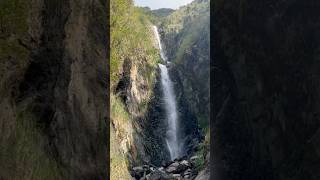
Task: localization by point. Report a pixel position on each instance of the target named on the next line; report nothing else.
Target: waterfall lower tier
(171, 113)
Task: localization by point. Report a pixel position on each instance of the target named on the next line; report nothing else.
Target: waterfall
(171, 112)
(170, 105)
(162, 54)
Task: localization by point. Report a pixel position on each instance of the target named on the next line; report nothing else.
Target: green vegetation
(202, 152)
(118, 110)
(120, 129)
(163, 12)
(118, 166)
(131, 41)
(178, 20)
(156, 16)
(187, 25)
(131, 37)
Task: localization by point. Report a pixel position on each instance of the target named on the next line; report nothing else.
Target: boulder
(177, 176)
(161, 169)
(137, 172)
(159, 175)
(152, 169)
(173, 168)
(185, 163)
(186, 176)
(177, 168)
(187, 172)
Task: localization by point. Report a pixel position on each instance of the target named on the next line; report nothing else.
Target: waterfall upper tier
(162, 54)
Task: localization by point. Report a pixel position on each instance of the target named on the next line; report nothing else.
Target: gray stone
(185, 163)
(161, 169)
(187, 172)
(203, 175)
(138, 172)
(176, 168)
(158, 175)
(172, 168)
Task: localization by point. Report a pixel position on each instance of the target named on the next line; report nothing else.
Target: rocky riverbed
(179, 169)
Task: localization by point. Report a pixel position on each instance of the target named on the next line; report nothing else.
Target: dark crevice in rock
(47, 65)
(124, 82)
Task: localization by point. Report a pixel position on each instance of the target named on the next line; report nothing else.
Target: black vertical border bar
(107, 118)
(211, 91)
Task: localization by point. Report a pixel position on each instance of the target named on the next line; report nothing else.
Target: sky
(157, 4)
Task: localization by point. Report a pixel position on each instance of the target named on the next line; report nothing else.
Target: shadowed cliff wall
(265, 103)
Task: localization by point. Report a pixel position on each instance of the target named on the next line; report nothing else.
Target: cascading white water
(162, 54)
(170, 105)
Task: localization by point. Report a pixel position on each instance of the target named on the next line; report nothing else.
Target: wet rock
(137, 172)
(185, 163)
(161, 169)
(147, 169)
(177, 176)
(177, 167)
(159, 175)
(187, 172)
(152, 169)
(172, 168)
(139, 168)
(166, 163)
(180, 158)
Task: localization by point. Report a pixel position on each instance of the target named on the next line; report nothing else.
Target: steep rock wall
(59, 91)
(266, 90)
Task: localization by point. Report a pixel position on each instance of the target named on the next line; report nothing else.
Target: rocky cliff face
(54, 69)
(266, 90)
(140, 95)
